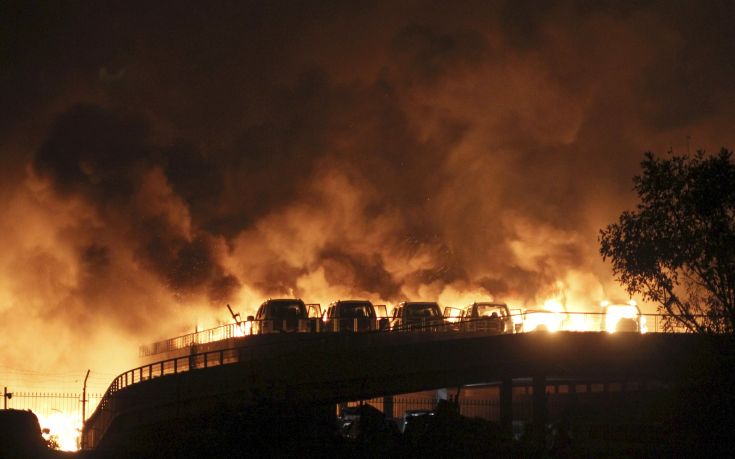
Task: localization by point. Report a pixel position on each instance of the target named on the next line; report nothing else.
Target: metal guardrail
(220, 333)
(103, 414)
(553, 321)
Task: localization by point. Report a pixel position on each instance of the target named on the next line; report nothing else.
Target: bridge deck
(331, 368)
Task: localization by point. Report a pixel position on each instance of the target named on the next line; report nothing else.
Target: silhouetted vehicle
(622, 317)
(487, 317)
(348, 421)
(417, 315)
(369, 426)
(413, 418)
(281, 315)
(350, 315)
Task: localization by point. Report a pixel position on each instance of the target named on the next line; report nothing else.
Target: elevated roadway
(324, 368)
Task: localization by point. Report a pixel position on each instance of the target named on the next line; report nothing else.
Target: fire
(548, 319)
(578, 322)
(626, 317)
(453, 315)
(553, 305)
(63, 428)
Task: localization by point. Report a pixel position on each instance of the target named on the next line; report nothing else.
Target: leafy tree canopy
(677, 248)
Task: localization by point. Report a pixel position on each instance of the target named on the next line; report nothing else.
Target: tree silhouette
(677, 248)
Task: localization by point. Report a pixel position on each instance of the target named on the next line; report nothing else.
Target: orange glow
(549, 318)
(615, 314)
(542, 320)
(578, 322)
(64, 429)
(453, 315)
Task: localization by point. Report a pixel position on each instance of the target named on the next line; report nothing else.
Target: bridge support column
(388, 406)
(540, 410)
(506, 406)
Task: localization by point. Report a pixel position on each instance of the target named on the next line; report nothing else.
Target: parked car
(415, 420)
(284, 315)
(367, 423)
(487, 317)
(417, 315)
(350, 315)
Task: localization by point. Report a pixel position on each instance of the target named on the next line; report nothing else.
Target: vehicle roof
(284, 300)
(353, 301)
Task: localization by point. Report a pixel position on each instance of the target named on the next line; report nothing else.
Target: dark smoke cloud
(159, 160)
(94, 152)
(106, 157)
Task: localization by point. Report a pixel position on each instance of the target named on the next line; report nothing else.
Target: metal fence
(220, 333)
(60, 413)
(516, 323)
(44, 404)
(485, 408)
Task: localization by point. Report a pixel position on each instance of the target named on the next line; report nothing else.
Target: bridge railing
(524, 322)
(353, 324)
(233, 330)
(102, 417)
(192, 339)
(599, 322)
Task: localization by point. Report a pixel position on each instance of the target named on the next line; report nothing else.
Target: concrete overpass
(324, 368)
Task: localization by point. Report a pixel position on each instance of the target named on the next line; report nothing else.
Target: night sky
(159, 161)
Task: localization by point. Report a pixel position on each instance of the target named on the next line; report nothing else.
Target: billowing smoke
(160, 162)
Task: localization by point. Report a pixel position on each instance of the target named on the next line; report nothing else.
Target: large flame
(64, 429)
(615, 314)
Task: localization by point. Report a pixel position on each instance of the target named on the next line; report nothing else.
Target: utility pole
(84, 406)
(6, 396)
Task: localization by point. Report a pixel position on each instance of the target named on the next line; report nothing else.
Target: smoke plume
(160, 161)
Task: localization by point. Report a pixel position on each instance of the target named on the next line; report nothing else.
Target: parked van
(350, 315)
(283, 315)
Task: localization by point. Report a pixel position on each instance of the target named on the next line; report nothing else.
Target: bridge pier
(388, 406)
(540, 410)
(506, 406)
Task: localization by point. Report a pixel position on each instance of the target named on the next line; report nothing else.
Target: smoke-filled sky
(160, 161)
